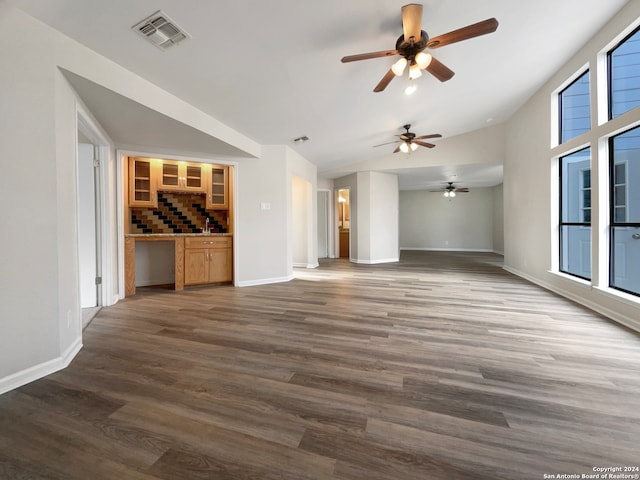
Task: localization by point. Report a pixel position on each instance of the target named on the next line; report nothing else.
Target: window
(608, 217)
(624, 225)
(575, 115)
(575, 214)
(624, 75)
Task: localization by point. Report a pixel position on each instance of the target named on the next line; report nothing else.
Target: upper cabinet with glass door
(217, 187)
(142, 183)
(181, 177)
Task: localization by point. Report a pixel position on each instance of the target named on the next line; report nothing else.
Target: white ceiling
(271, 69)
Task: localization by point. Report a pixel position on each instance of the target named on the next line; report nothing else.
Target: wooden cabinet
(208, 259)
(181, 176)
(217, 187)
(142, 183)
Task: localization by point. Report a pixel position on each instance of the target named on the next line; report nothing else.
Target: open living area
(249, 252)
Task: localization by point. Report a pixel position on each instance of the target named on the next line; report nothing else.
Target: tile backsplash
(177, 213)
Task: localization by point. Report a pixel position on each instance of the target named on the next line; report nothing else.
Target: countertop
(144, 235)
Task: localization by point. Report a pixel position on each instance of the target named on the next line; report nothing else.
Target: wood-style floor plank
(441, 366)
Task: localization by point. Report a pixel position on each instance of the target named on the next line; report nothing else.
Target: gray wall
(430, 221)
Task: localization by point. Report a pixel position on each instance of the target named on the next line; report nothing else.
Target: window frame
(612, 206)
(561, 222)
(609, 72)
(586, 71)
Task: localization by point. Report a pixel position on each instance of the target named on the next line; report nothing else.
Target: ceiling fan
(409, 142)
(450, 191)
(414, 40)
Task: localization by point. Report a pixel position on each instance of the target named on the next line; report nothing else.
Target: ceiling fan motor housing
(409, 50)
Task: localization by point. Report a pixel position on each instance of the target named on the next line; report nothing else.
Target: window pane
(624, 63)
(575, 115)
(625, 271)
(619, 175)
(575, 251)
(626, 189)
(573, 169)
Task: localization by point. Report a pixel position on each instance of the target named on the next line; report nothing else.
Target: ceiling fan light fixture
(423, 60)
(446, 193)
(404, 147)
(414, 71)
(399, 66)
(413, 146)
(452, 193)
(410, 89)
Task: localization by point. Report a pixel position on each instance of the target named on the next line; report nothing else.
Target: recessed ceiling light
(302, 139)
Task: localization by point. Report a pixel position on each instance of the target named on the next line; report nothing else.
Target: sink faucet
(206, 224)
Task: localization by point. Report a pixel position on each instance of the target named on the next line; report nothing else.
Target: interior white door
(87, 227)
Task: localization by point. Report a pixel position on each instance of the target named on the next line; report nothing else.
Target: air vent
(160, 30)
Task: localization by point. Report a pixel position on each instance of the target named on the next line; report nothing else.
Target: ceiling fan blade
(388, 143)
(397, 149)
(424, 144)
(411, 22)
(465, 33)
(462, 190)
(366, 56)
(433, 135)
(385, 81)
(439, 70)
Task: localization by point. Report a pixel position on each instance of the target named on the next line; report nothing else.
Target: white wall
(39, 305)
(301, 219)
(530, 183)
(498, 219)
(430, 221)
(383, 217)
(262, 236)
(306, 173)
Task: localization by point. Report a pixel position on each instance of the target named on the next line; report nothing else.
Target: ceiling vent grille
(161, 31)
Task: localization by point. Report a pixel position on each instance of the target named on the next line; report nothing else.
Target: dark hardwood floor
(442, 366)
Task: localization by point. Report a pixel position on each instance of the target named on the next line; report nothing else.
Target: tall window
(575, 114)
(575, 214)
(624, 168)
(624, 75)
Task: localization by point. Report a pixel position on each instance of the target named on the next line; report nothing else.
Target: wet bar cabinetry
(147, 177)
(208, 260)
(142, 183)
(181, 177)
(218, 187)
(198, 259)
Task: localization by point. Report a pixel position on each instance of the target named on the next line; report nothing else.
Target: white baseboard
(481, 250)
(39, 371)
(306, 265)
(374, 262)
(628, 322)
(264, 281)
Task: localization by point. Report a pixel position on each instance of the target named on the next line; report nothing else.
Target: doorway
(89, 198)
(344, 223)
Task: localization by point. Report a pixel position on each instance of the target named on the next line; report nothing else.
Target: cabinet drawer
(207, 242)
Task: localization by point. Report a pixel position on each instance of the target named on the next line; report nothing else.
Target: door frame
(86, 124)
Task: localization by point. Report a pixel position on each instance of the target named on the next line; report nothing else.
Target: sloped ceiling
(271, 70)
